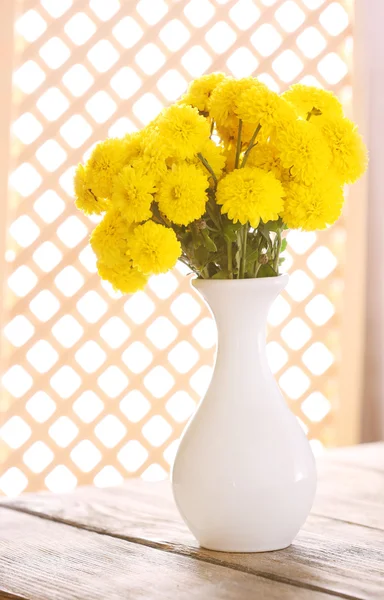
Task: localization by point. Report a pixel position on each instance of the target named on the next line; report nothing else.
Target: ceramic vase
(244, 476)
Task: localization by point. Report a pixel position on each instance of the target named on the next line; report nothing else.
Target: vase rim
(254, 282)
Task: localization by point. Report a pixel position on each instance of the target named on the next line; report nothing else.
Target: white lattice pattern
(97, 386)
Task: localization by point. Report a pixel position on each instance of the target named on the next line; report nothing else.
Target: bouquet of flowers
(216, 179)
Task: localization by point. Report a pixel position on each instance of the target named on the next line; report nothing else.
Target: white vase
(244, 476)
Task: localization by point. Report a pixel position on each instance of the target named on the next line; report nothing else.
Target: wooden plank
(351, 494)
(365, 456)
(340, 557)
(42, 560)
(350, 488)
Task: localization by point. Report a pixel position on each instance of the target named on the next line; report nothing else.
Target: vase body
(244, 476)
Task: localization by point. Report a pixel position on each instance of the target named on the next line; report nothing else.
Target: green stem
(229, 255)
(238, 146)
(211, 212)
(208, 167)
(158, 217)
(277, 252)
(257, 244)
(250, 145)
(244, 251)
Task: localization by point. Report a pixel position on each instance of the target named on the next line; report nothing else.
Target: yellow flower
(313, 207)
(258, 105)
(349, 154)
(154, 248)
(200, 90)
(151, 163)
(250, 194)
(223, 103)
(86, 200)
(132, 145)
(266, 157)
(183, 131)
(214, 156)
(132, 194)
(302, 150)
(126, 278)
(151, 152)
(305, 98)
(109, 239)
(106, 160)
(182, 194)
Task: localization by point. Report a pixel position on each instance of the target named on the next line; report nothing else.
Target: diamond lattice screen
(98, 387)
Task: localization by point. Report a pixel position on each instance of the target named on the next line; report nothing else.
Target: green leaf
(252, 256)
(230, 236)
(274, 225)
(284, 245)
(202, 254)
(266, 271)
(265, 234)
(208, 242)
(230, 232)
(220, 275)
(196, 237)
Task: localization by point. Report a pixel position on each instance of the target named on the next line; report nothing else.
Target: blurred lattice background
(98, 387)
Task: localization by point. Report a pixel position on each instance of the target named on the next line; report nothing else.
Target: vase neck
(240, 309)
(241, 305)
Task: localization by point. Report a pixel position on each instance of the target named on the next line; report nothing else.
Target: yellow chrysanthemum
(109, 239)
(151, 163)
(313, 207)
(213, 154)
(182, 194)
(105, 162)
(348, 151)
(302, 150)
(258, 105)
(200, 90)
(86, 201)
(183, 131)
(266, 157)
(132, 146)
(154, 248)
(132, 194)
(250, 194)
(305, 98)
(223, 104)
(126, 278)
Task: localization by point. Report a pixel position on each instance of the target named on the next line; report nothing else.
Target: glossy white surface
(244, 476)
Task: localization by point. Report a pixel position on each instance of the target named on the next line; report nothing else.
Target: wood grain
(331, 554)
(42, 560)
(366, 456)
(351, 494)
(339, 550)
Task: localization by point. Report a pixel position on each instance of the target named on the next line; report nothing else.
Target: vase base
(246, 549)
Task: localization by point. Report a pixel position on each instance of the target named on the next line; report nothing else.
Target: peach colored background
(98, 387)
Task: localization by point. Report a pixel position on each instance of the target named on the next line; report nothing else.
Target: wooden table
(129, 542)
